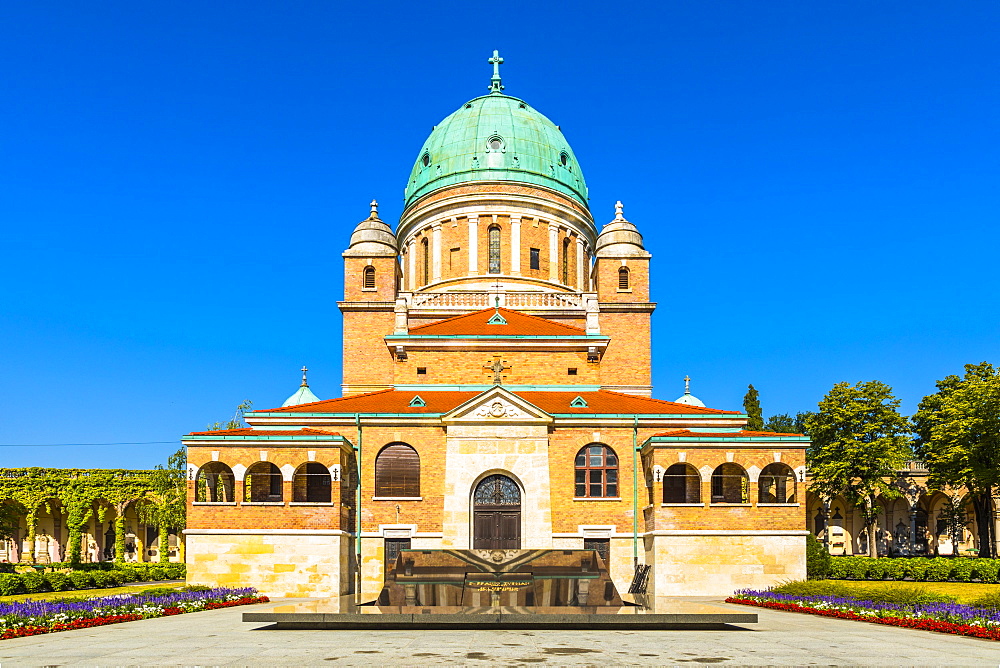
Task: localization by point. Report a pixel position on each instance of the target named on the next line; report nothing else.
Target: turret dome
(372, 237)
(303, 395)
(687, 397)
(620, 237)
(496, 137)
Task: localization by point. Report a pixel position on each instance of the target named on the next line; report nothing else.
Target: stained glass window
(497, 490)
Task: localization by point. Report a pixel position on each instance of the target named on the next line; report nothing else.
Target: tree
(235, 422)
(958, 437)
(751, 406)
(166, 507)
(859, 442)
(783, 423)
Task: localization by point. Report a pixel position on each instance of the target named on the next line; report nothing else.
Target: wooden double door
(496, 523)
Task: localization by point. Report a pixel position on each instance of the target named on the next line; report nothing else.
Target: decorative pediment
(497, 405)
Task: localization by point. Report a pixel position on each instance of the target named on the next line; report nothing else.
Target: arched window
(565, 261)
(494, 248)
(311, 483)
(596, 472)
(369, 278)
(425, 248)
(681, 484)
(214, 484)
(397, 471)
(262, 483)
(623, 283)
(730, 484)
(776, 484)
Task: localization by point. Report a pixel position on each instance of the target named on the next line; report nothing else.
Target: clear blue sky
(817, 182)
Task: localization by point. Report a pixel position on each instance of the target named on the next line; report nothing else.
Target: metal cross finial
(687, 384)
(495, 61)
(497, 368)
(374, 213)
(619, 210)
(304, 383)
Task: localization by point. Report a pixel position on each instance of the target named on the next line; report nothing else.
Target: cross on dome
(304, 383)
(374, 213)
(619, 211)
(496, 61)
(687, 384)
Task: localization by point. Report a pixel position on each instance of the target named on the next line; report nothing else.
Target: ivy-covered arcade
(91, 515)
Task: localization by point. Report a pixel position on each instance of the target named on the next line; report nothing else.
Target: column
(411, 264)
(553, 253)
(473, 245)
(579, 265)
(515, 245)
(436, 252)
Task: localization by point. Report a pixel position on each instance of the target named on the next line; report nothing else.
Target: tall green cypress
(751, 406)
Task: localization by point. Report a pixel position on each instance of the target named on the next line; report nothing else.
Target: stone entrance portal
(496, 514)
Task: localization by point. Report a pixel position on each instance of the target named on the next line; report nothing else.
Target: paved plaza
(219, 638)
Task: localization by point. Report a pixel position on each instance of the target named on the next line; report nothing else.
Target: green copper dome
(496, 138)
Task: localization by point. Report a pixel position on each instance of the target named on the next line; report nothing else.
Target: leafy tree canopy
(235, 422)
(783, 423)
(958, 430)
(751, 406)
(860, 441)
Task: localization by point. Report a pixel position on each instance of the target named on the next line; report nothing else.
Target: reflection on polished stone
(344, 612)
(499, 578)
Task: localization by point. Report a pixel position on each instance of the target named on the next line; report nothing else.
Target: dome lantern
(496, 137)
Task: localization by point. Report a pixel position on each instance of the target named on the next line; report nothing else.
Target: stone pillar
(436, 253)
(913, 529)
(473, 245)
(515, 245)
(402, 269)
(411, 265)
(553, 253)
(579, 265)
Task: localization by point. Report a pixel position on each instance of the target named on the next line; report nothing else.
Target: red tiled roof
(398, 401)
(248, 431)
(722, 434)
(606, 401)
(383, 401)
(518, 324)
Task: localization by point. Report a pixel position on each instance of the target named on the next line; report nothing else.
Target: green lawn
(77, 593)
(964, 592)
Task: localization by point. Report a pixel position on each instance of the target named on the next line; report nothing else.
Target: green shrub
(877, 569)
(104, 579)
(6, 567)
(159, 591)
(939, 569)
(817, 558)
(59, 581)
(11, 584)
(902, 595)
(128, 574)
(196, 588)
(991, 600)
(986, 570)
(175, 571)
(81, 579)
(962, 569)
(814, 588)
(838, 568)
(35, 583)
(895, 569)
(156, 574)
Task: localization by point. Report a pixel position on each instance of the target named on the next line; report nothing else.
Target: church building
(497, 396)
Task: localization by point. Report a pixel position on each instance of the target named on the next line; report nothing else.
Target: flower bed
(954, 618)
(28, 618)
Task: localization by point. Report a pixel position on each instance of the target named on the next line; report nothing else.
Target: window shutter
(623, 278)
(369, 282)
(397, 471)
